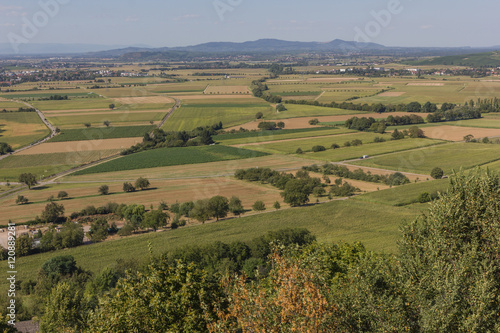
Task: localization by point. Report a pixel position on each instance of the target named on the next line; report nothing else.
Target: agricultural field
(290, 146)
(116, 118)
(172, 156)
(335, 119)
(20, 129)
(457, 133)
(101, 133)
(449, 157)
(44, 165)
(199, 170)
(207, 111)
(372, 149)
(226, 90)
(84, 146)
(277, 135)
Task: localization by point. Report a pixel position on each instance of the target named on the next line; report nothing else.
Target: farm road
(44, 120)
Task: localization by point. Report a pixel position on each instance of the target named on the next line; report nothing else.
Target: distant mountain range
(251, 47)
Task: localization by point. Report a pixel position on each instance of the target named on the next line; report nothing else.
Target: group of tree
(443, 278)
(372, 125)
(261, 90)
(296, 188)
(412, 132)
(271, 125)
(459, 113)
(159, 139)
(341, 171)
(5, 148)
(140, 183)
(55, 98)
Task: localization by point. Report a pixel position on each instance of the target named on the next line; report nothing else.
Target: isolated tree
(52, 212)
(468, 138)
(21, 200)
(277, 205)
(62, 195)
(128, 187)
(259, 115)
(218, 206)
(28, 178)
(259, 205)
(112, 106)
(142, 183)
(235, 206)
(299, 151)
(87, 125)
(437, 173)
(104, 189)
(5, 148)
(106, 123)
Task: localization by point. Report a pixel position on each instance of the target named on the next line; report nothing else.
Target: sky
(159, 23)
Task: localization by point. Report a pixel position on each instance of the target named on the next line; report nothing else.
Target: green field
(44, 94)
(405, 194)
(74, 104)
(448, 157)
(306, 144)
(80, 134)
(349, 221)
(264, 136)
(172, 156)
(189, 116)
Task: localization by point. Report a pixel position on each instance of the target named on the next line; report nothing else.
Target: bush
(259, 115)
(314, 121)
(62, 195)
(334, 146)
(378, 139)
(21, 200)
(318, 148)
(126, 230)
(299, 151)
(259, 206)
(424, 197)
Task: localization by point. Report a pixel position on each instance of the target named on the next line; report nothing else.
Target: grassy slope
(352, 220)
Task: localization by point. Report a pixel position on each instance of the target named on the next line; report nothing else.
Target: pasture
(226, 90)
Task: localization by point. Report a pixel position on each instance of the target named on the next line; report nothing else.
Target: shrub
(259, 206)
(437, 173)
(62, 195)
(104, 189)
(299, 151)
(318, 148)
(334, 146)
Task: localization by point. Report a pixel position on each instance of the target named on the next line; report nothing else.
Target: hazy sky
(188, 22)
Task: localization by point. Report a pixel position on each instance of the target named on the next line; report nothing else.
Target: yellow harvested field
(226, 90)
(76, 146)
(144, 100)
(457, 133)
(303, 122)
(332, 79)
(392, 94)
(426, 84)
(64, 113)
